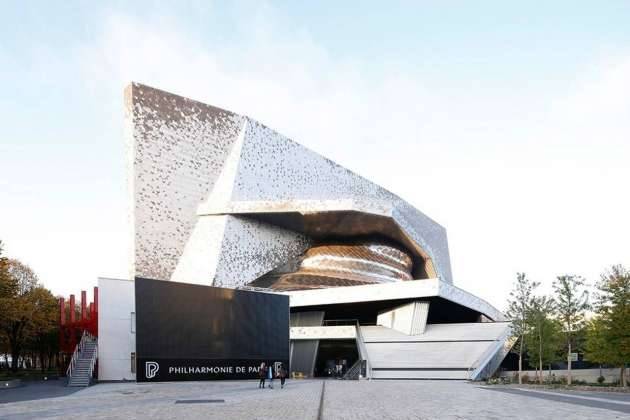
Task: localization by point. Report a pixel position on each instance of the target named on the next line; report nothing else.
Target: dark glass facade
(193, 332)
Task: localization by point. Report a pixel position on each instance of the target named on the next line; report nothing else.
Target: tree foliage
(608, 336)
(28, 309)
(7, 284)
(543, 335)
(571, 302)
(518, 312)
(597, 348)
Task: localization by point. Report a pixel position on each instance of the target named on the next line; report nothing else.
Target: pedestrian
(270, 374)
(262, 374)
(282, 374)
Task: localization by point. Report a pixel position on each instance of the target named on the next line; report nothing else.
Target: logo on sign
(151, 369)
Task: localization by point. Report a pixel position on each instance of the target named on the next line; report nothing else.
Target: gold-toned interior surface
(335, 265)
(340, 226)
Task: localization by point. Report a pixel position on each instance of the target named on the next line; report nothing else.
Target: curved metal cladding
(344, 265)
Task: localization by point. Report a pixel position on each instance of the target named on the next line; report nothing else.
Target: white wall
(410, 318)
(116, 341)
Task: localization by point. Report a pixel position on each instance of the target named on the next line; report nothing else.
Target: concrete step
(444, 351)
(81, 373)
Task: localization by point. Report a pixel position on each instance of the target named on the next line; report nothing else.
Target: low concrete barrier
(588, 375)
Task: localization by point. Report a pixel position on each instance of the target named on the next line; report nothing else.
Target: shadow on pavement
(37, 390)
(607, 402)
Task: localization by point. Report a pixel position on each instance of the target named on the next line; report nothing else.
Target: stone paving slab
(243, 400)
(395, 399)
(447, 400)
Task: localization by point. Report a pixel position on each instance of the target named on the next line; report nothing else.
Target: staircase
(81, 366)
(354, 372)
(465, 351)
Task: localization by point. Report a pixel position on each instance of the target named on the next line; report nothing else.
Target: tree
(518, 312)
(597, 348)
(7, 291)
(7, 283)
(40, 319)
(542, 333)
(608, 336)
(21, 301)
(42, 327)
(28, 312)
(571, 301)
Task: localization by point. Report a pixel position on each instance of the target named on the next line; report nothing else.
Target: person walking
(282, 374)
(270, 375)
(262, 374)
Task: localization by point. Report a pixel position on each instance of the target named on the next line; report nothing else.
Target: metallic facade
(220, 199)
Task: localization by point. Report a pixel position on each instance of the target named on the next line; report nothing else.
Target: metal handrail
(93, 361)
(354, 371)
(78, 349)
(359, 338)
(334, 322)
(482, 361)
(363, 349)
(72, 361)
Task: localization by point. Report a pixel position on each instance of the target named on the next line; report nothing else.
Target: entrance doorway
(335, 357)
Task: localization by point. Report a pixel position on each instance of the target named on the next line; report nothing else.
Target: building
(219, 200)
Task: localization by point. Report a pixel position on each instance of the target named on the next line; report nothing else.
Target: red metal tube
(83, 305)
(72, 309)
(95, 300)
(62, 311)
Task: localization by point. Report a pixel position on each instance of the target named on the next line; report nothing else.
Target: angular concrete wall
(410, 319)
(444, 351)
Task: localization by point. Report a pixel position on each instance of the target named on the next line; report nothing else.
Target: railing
(78, 350)
(350, 321)
(476, 370)
(338, 322)
(359, 339)
(354, 371)
(93, 361)
(363, 352)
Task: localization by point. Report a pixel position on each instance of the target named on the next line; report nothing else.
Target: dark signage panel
(192, 332)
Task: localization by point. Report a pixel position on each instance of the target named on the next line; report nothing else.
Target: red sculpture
(71, 330)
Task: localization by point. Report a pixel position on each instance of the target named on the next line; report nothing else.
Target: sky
(509, 124)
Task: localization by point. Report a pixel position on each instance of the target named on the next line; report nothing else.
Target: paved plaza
(309, 399)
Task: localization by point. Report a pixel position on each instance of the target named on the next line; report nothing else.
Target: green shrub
(601, 380)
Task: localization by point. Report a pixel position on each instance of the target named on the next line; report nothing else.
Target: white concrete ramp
(444, 351)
